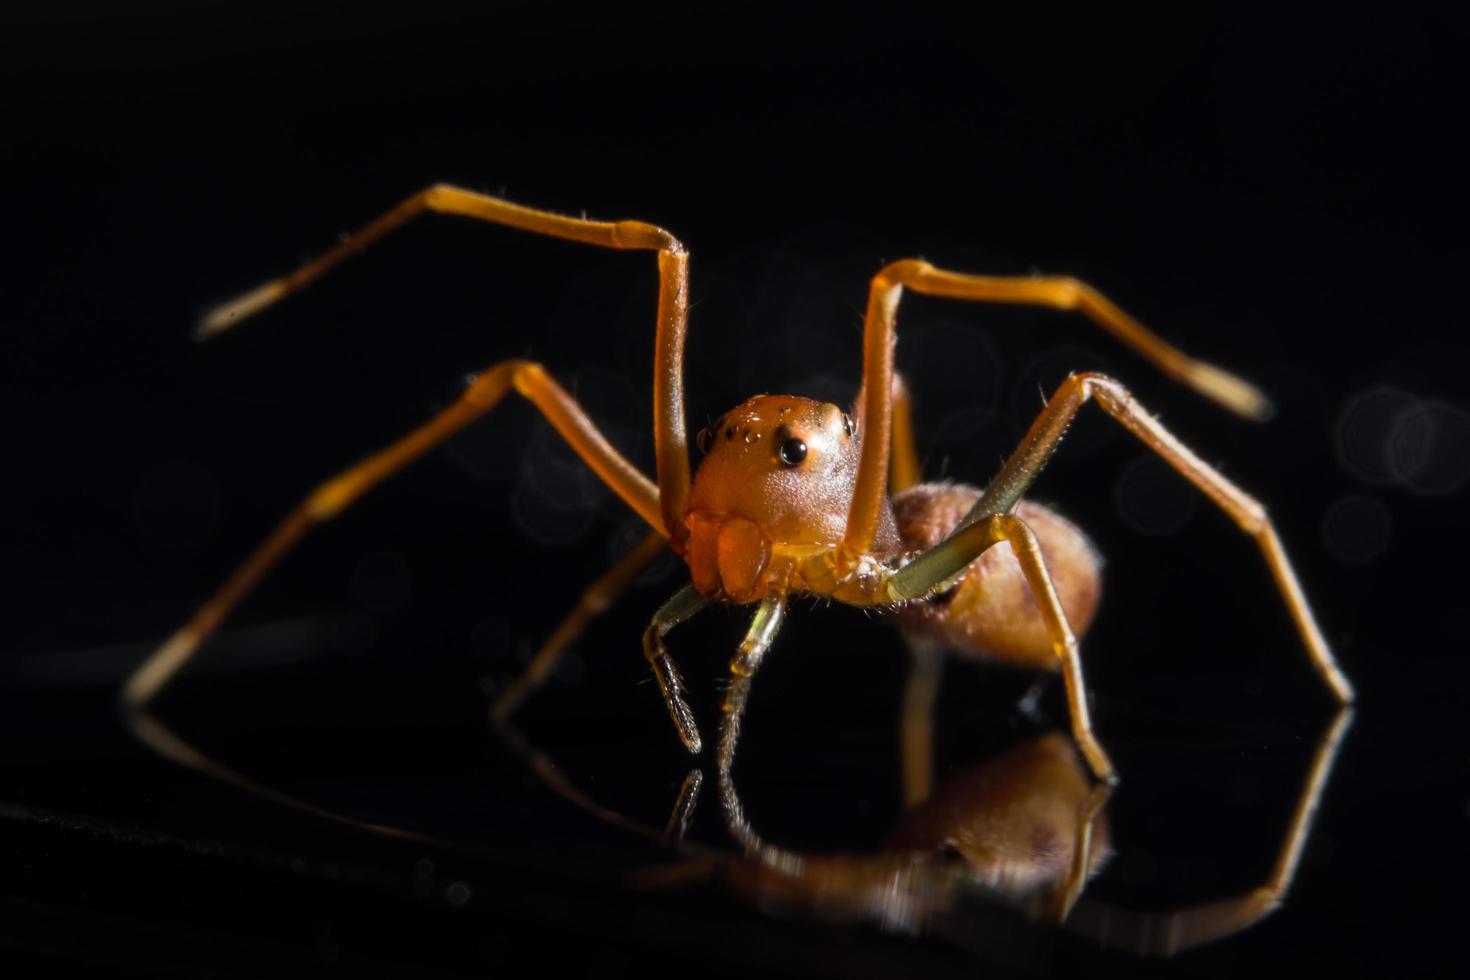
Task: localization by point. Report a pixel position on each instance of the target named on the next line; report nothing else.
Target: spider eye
(792, 452)
(702, 440)
(847, 427)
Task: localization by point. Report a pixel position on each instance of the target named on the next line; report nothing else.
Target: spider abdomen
(992, 612)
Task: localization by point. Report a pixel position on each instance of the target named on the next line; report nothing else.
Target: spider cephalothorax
(771, 493)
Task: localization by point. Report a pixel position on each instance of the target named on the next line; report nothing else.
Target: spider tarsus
(231, 312)
(1236, 394)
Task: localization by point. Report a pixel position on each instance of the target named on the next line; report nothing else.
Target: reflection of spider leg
(332, 497)
(683, 604)
(939, 564)
(1081, 866)
(916, 726)
(542, 766)
(758, 638)
(683, 812)
(1026, 462)
(1060, 293)
(164, 741)
(600, 595)
(1173, 932)
(670, 442)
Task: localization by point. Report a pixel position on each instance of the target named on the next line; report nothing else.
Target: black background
(1282, 196)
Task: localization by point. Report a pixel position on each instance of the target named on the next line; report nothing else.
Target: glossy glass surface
(1280, 202)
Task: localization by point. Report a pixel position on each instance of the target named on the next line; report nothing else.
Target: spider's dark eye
(847, 427)
(792, 451)
(702, 440)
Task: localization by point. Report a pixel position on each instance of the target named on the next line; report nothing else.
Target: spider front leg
(758, 638)
(335, 495)
(684, 603)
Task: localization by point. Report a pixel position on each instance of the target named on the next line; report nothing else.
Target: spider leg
(332, 497)
(939, 564)
(989, 521)
(1060, 293)
(1245, 510)
(916, 725)
(684, 603)
(758, 638)
(670, 440)
(1081, 868)
(600, 595)
(904, 469)
(1168, 933)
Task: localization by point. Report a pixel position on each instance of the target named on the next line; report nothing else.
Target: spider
(797, 496)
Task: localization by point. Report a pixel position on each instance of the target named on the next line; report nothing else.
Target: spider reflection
(1018, 833)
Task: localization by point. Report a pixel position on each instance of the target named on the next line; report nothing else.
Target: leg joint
(487, 387)
(595, 602)
(1096, 379)
(1253, 517)
(640, 234)
(434, 195)
(652, 643)
(1068, 293)
(901, 273)
(653, 638)
(1011, 528)
(1105, 388)
(332, 497)
(525, 375)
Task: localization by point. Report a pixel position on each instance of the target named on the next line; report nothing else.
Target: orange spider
(792, 495)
